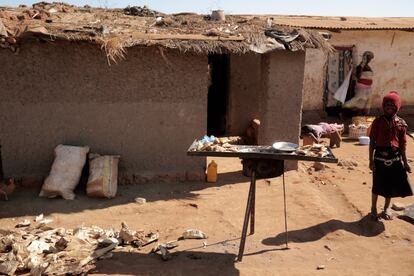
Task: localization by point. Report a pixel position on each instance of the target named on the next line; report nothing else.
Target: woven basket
(363, 120)
(356, 132)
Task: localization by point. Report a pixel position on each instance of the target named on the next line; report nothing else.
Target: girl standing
(387, 156)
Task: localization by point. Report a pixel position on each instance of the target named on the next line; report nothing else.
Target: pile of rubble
(6, 41)
(43, 250)
(53, 7)
(141, 11)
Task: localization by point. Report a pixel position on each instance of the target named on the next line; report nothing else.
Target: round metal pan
(285, 146)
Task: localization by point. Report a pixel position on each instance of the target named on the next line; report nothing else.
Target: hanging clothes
(337, 77)
(363, 87)
(340, 94)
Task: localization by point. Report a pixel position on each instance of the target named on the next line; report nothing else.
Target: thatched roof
(116, 29)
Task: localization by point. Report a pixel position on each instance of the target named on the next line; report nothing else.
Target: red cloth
(393, 97)
(389, 132)
(365, 81)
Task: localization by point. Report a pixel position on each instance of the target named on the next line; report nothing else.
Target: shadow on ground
(346, 139)
(26, 202)
(181, 263)
(407, 219)
(363, 227)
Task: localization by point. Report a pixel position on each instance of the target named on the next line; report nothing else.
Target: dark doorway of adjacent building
(339, 64)
(218, 94)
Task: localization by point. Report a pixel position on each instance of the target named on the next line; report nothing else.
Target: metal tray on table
(261, 152)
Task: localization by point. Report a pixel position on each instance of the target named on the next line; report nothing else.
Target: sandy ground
(326, 219)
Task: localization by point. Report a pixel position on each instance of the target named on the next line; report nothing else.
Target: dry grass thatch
(114, 49)
(115, 30)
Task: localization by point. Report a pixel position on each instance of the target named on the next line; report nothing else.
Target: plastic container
(212, 172)
(364, 140)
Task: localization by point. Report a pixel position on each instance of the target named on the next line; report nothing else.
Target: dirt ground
(327, 223)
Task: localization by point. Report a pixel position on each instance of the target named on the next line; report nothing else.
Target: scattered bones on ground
(44, 250)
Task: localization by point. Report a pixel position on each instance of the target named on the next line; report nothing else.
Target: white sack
(66, 172)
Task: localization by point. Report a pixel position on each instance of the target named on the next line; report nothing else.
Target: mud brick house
(143, 86)
(390, 39)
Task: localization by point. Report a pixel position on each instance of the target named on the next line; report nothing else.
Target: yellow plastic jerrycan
(212, 172)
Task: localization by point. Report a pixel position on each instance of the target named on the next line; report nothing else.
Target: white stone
(38, 218)
(140, 200)
(194, 234)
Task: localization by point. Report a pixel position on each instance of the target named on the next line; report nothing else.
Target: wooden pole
(284, 203)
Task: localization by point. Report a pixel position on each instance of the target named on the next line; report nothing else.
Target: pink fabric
(324, 128)
(329, 128)
(318, 130)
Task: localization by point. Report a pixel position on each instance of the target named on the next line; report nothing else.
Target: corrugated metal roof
(344, 23)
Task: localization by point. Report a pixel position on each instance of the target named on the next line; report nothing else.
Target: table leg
(247, 216)
(284, 203)
(253, 203)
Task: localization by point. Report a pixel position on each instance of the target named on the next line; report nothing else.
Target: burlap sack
(103, 176)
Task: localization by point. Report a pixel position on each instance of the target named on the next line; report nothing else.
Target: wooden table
(259, 153)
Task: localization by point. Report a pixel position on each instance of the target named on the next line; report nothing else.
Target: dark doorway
(218, 94)
(340, 63)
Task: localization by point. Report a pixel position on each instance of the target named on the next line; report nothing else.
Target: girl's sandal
(386, 215)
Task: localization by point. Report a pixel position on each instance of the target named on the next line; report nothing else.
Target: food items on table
(222, 144)
(215, 147)
(234, 140)
(315, 150)
(213, 144)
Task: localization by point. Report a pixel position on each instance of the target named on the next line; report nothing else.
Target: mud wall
(393, 65)
(282, 103)
(146, 109)
(247, 83)
(314, 80)
(267, 87)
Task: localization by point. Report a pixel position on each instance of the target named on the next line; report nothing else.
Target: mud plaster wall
(282, 103)
(314, 80)
(245, 91)
(267, 87)
(143, 109)
(393, 65)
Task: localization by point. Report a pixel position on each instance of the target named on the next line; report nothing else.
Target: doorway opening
(218, 94)
(340, 64)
